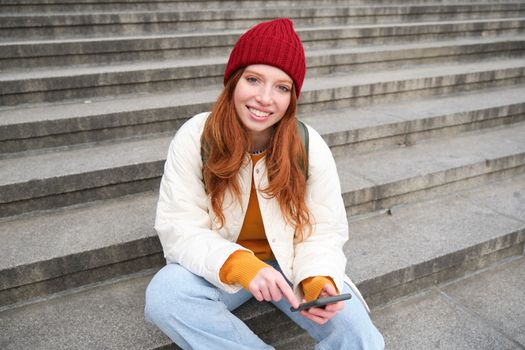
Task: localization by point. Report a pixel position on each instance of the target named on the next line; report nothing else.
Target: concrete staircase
(422, 103)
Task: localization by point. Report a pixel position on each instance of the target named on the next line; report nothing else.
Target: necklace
(258, 152)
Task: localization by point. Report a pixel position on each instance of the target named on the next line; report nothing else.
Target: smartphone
(321, 302)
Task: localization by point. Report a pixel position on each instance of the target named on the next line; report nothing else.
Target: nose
(264, 96)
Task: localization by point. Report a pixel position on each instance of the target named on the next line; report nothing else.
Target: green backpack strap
(204, 156)
(305, 139)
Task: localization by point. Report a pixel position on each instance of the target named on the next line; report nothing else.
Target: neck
(261, 140)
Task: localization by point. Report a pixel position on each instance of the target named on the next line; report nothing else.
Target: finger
(330, 289)
(335, 307)
(266, 293)
(287, 291)
(314, 318)
(320, 312)
(325, 317)
(257, 294)
(275, 292)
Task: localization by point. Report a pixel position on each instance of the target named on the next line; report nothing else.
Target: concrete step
(102, 119)
(430, 242)
(468, 313)
(53, 25)
(64, 177)
(73, 246)
(345, 58)
(344, 90)
(61, 178)
(109, 48)
(353, 129)
(389, 256)
(92, 82)
(62, 124)
(383, 179)
(50, 252)
(198, 71)
(32, 6)
(405, 122)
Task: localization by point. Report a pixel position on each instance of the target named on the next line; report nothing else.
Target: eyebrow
(261, 75)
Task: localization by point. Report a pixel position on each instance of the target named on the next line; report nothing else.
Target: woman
(239, 217)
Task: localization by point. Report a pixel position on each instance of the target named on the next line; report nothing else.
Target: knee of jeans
(153, 309)
(172, 290)
(165, 291)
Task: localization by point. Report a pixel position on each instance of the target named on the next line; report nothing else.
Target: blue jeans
(197, 315)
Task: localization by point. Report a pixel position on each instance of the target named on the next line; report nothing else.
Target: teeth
(258, 113)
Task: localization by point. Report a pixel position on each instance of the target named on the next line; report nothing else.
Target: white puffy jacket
(188, 228)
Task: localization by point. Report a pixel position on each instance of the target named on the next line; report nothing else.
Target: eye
(284, 88)
(251, 80)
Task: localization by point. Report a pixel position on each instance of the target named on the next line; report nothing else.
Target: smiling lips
(258, 113)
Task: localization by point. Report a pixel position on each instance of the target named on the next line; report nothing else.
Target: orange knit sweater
(242, 266)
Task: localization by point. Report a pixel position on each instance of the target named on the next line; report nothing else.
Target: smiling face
(261, 97)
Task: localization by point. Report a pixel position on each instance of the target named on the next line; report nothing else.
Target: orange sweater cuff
(312, 286)
(241, 267)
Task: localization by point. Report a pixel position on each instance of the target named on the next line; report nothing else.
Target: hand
(322, 315)
(269, 284)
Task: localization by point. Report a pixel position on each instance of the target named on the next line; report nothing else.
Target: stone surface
(57, 6)
(348, 127)
(362, 129)
(73, 231)
(355, 58)
(435, 163)
(506, 197)
(430, 321)
(62, 167)
(455, 77)
(397, 31)
(496, 296)
(482, 311)
(397, 246)
(310, 15)
(54, 54)
(102, 318)
(339, 80)
(104, 113)
(301, 342)
(101, 108)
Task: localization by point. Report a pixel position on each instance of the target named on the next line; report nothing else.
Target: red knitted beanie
(274, 43)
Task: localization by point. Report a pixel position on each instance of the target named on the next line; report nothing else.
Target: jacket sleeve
(183, 222)
(321, 254)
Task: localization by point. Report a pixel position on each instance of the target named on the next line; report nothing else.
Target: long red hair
(226, 141)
